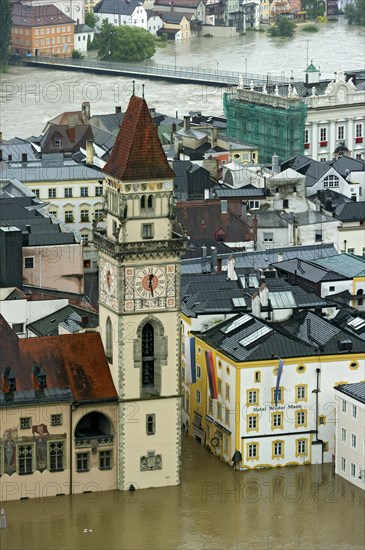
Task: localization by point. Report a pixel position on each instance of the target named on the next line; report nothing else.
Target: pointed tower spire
(137, 153)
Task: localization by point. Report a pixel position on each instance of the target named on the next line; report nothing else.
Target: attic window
(40, 375)
(10, 378)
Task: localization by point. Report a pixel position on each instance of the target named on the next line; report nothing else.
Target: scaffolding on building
(273, 123)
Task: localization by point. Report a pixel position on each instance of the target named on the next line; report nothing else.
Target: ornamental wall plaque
(151, 461)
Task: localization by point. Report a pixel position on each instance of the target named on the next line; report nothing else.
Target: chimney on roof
(85, 111)
(118, 109)
(152, 111)
(275, 165)
(219, 264)
(24, 157)
(173, 127)
(213, 258)
(280, 257)
(186, 123)
(213, 136)
(264, 295)
(89, 153)
(71, 133)
(172, 9)
(244, 210)
(254, 231)
(256, 304)
(231, 272)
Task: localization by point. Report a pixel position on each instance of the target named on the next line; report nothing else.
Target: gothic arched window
(149, 201)
(109, 340)
(148, 359)
(143, 202)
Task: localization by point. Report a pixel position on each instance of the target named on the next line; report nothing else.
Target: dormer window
(40, 375)
(9, 378)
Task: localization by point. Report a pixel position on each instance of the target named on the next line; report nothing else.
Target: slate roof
(137, 153)
(174, 17)
(83, 28)
(309, 271)
(265, 339)
(312, 217)
(16, 150)
(350, 211)
(110, 122)
(121, 7)
(356, 391)
(266, 258)
(312, 169)
(74, 361)
(71, 317)
(346, 264)
(36, 16)
(320, 333)
(48, 169)
(246, 191)
(18, 212)
(178, 3)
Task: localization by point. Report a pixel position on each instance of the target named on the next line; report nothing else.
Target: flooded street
(29, 97)
(215, 508)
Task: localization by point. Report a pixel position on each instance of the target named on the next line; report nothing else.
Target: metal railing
(216, 77)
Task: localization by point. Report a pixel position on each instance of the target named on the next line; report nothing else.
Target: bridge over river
(186, 75)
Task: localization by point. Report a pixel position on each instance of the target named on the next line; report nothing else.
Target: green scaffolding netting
(273, 129)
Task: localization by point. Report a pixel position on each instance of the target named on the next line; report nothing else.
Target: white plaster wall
(344, 449)
(339, 286)
(23, 311)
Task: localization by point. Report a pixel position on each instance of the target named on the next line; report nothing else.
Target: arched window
(331, 181)
(150, 201)
(360, 297)
(109, 340)
(148, 359)
(143, 202)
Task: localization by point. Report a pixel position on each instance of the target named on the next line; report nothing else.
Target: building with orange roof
(41, 31)
(59, 416)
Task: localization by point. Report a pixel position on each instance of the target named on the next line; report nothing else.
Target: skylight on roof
(239, 302)
(282, 299)
(239, 322)
(252, 338)
(356, 323)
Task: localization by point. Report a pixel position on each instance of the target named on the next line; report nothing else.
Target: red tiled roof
(75, 361)
(204, 220)
(137, 153)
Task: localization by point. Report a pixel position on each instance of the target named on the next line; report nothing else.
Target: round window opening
(354, 365)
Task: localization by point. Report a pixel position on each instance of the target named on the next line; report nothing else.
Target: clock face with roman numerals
(150, 282)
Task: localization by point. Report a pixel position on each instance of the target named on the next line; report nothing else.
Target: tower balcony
(169, 246)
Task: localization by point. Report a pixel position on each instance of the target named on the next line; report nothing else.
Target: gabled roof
(178, 3)
(72, 317)
(137, 153)
(356, 391)
(74, 361)
(120, 7)
(346, 264)
(203, 218)
(309, 271)
(38, 16)
(350, 211)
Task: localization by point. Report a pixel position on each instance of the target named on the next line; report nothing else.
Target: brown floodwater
(303, 507)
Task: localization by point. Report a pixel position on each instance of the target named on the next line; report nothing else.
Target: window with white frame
(353, 469)
(84, 215)
(340, 132)
(29, 262)
(354, 411)
(254, 205)
(323, 134)
(301, 392)
(197, 397)
(68, 192)
(343, 435)
(52, 193)
(358, 130)
(252, 450)
(252, 396)
(85, 238)
(301, 418)
(268, 237)
(353, 441)
(198, 372)
(344, 406)
(84, 191)
(306, 136)
(331, 181)
(252, 422)
(301, 446)
(343, 464)
(278, 448)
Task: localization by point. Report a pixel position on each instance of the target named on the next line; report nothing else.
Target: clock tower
(139, 300)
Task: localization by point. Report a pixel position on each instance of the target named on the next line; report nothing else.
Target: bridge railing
(216, 76)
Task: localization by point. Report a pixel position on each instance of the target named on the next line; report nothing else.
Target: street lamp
(109, 54)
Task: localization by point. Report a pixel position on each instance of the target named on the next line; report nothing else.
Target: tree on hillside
(355, 13)
(282, 27)
(91, 19)
(125, 43)
(5, 34)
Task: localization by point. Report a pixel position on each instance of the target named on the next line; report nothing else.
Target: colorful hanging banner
(190, 364)
(211, 375)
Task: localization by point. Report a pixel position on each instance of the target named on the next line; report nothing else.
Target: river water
(299, 508)
(304, 508)
(29, 97)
